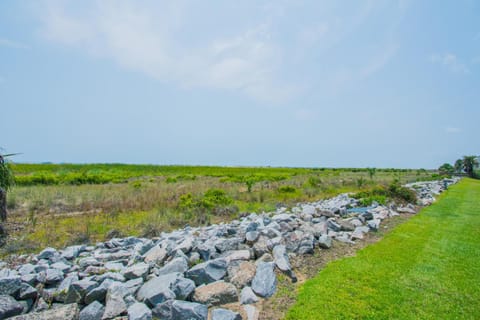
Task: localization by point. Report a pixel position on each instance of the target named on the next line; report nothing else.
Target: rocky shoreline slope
(188, 273)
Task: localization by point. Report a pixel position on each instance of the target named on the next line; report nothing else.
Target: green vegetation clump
(427, 268)
(287, 189)
(394, 191)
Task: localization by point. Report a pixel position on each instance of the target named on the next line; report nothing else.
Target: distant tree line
(468, 165)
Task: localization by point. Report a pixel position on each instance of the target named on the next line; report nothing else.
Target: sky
(250, 83)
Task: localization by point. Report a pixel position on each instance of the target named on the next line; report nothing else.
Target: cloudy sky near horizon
(280, 83)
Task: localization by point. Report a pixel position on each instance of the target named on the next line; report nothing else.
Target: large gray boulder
(208, 272)
(216, 293)
(139, 311)
(158, 289)
(264, 283)
(176, 309)
(283, 262)
(9, 307)
(224, 314)
(53, 276)
(325, 241)
(183, 288)
(94, 311)
(156, 255)
(115, 305)
(241, 274)
(10, 285)
(138, 270)
(78, 289)
(27, 292)
(247, 296)
(179, 264)
(62, 312)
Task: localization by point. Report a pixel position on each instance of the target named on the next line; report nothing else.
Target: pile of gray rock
(427, 191)
(192, 273)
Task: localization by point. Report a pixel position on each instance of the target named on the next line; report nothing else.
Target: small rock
(252, 312)
(325, 241)
(176, 309)
(139, 311)
(94, 311)
(224, 314)
(179, 265)
(47, 253)
(264, 283)
(216, 293)
(139, 270)
(9, 307)
(10, 285)
(282, 262)
(242, 274)
(208, 272)
(247, 296)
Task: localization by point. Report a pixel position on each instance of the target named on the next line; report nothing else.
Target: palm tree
(6, 182)
(458, 166)
(469, 165)
(371, 172)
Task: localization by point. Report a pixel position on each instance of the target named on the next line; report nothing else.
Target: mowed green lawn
(427, 268)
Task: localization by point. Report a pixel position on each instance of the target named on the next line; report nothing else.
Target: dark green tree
(372, 172)
(446, 169)
(6, 182)
(470, 163)
(458, 166)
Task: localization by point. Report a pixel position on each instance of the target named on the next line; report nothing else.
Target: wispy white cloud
(451, 62)
(149, 40)
(12, 44)
(451, 129)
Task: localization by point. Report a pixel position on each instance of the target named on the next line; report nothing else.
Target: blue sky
(280, 83)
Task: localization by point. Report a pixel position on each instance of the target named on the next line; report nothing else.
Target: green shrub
(171, 180)
(287, 189)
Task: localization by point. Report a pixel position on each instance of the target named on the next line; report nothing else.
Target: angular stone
(27, 292)
(10, 285)
(325, 241)
(261, 247)
(158, 289)
(216, 293)
(247, 296)
(94, 311)
(183, 288)
(224, 314)
(62, 290)
(72, 252)
(176, 309)
(208, 272)
(53, 276)
(264, 283)
(346, 225)
(9, 307)
(62, 312)
(179, 265)
(332, 225)
(139, 311)
(61, 266)
(251, 312)
(138, 270)
(78, 289)
(236, 255)
(156, 255)
(99, 293)
(283, 262)
(115, 305)
(47, 253)
(252, 236)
